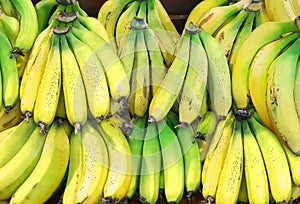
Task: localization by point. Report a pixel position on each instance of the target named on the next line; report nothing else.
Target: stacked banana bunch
(246, 162)
(18, 30)
(116, 15)
(65, 63)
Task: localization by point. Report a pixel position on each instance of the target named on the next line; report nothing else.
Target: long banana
(240, 70)
(168, 92)
(258, 188)
(280, 97)
(96, 87)
(49, 89)
(276, 163)
(49, 171)
(15, 172)
(195, 83)
(150, 175)
(73, 87)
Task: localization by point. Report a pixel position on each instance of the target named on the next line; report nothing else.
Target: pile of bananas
(123, 107)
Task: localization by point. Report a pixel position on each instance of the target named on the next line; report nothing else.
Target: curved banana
(195, 83)
(231, 174)
(73, 87)
(191, 158)
(15, 172)
(173, 163)
(11, 144)
(94, 166)
(9, 72)
(135, 141)
(43, 11)
(276, 163)
(254, 167)
(219, 81)
(113, 68)
(258, 74)
(150, 175)
(168, 92)
(49, 89)
(240, 69)
(280, 97)
(215, 157)
(92, 71)
(49, 170)
(10, 25)
(120, 163)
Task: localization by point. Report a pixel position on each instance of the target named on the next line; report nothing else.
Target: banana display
(123, 108)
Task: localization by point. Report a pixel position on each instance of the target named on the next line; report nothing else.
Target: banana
(254, 167)
(276, 163)
(49, 88)
(73, 87)
(191, 158)
(43, 11)
(15, 172)
(35, 69)
(240, 70)
(96, 87)
(11, 144)
(226, 35)
(10, 25)
(231, 174)
(9, 72)
(217, 16)
(120, 163)
(135, 141)
(115, 74)
(123, 24)
(167, 93)
(75, 168)
(215, 157)
(242, 35)
(28, 25)
(280, 97)
(195, 84)
(156, 60)
(140, 78)
(258, 74)
(201, 9)
(165, 19)
(294, 164)
(150, 175)
(49, 170)
(280, 11)
(95, 166)
(173, 163)
(219, 81)
(168, 39)
(10, 119)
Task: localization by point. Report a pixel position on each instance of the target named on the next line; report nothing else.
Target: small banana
(49, 171)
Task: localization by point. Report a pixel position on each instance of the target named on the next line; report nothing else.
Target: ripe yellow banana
(276, 163)
(240, 70)
(195, 83)
(73, 87)
(258, 74)
(168, 92)
(280, 97)
(49, 170)
(231, 174)
(49, 89)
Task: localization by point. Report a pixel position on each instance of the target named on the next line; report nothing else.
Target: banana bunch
(198, 74)
(273, 90)
(116, 16)
(65, 61)
(282, 10)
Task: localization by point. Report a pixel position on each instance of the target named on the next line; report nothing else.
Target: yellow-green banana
(10, 25)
